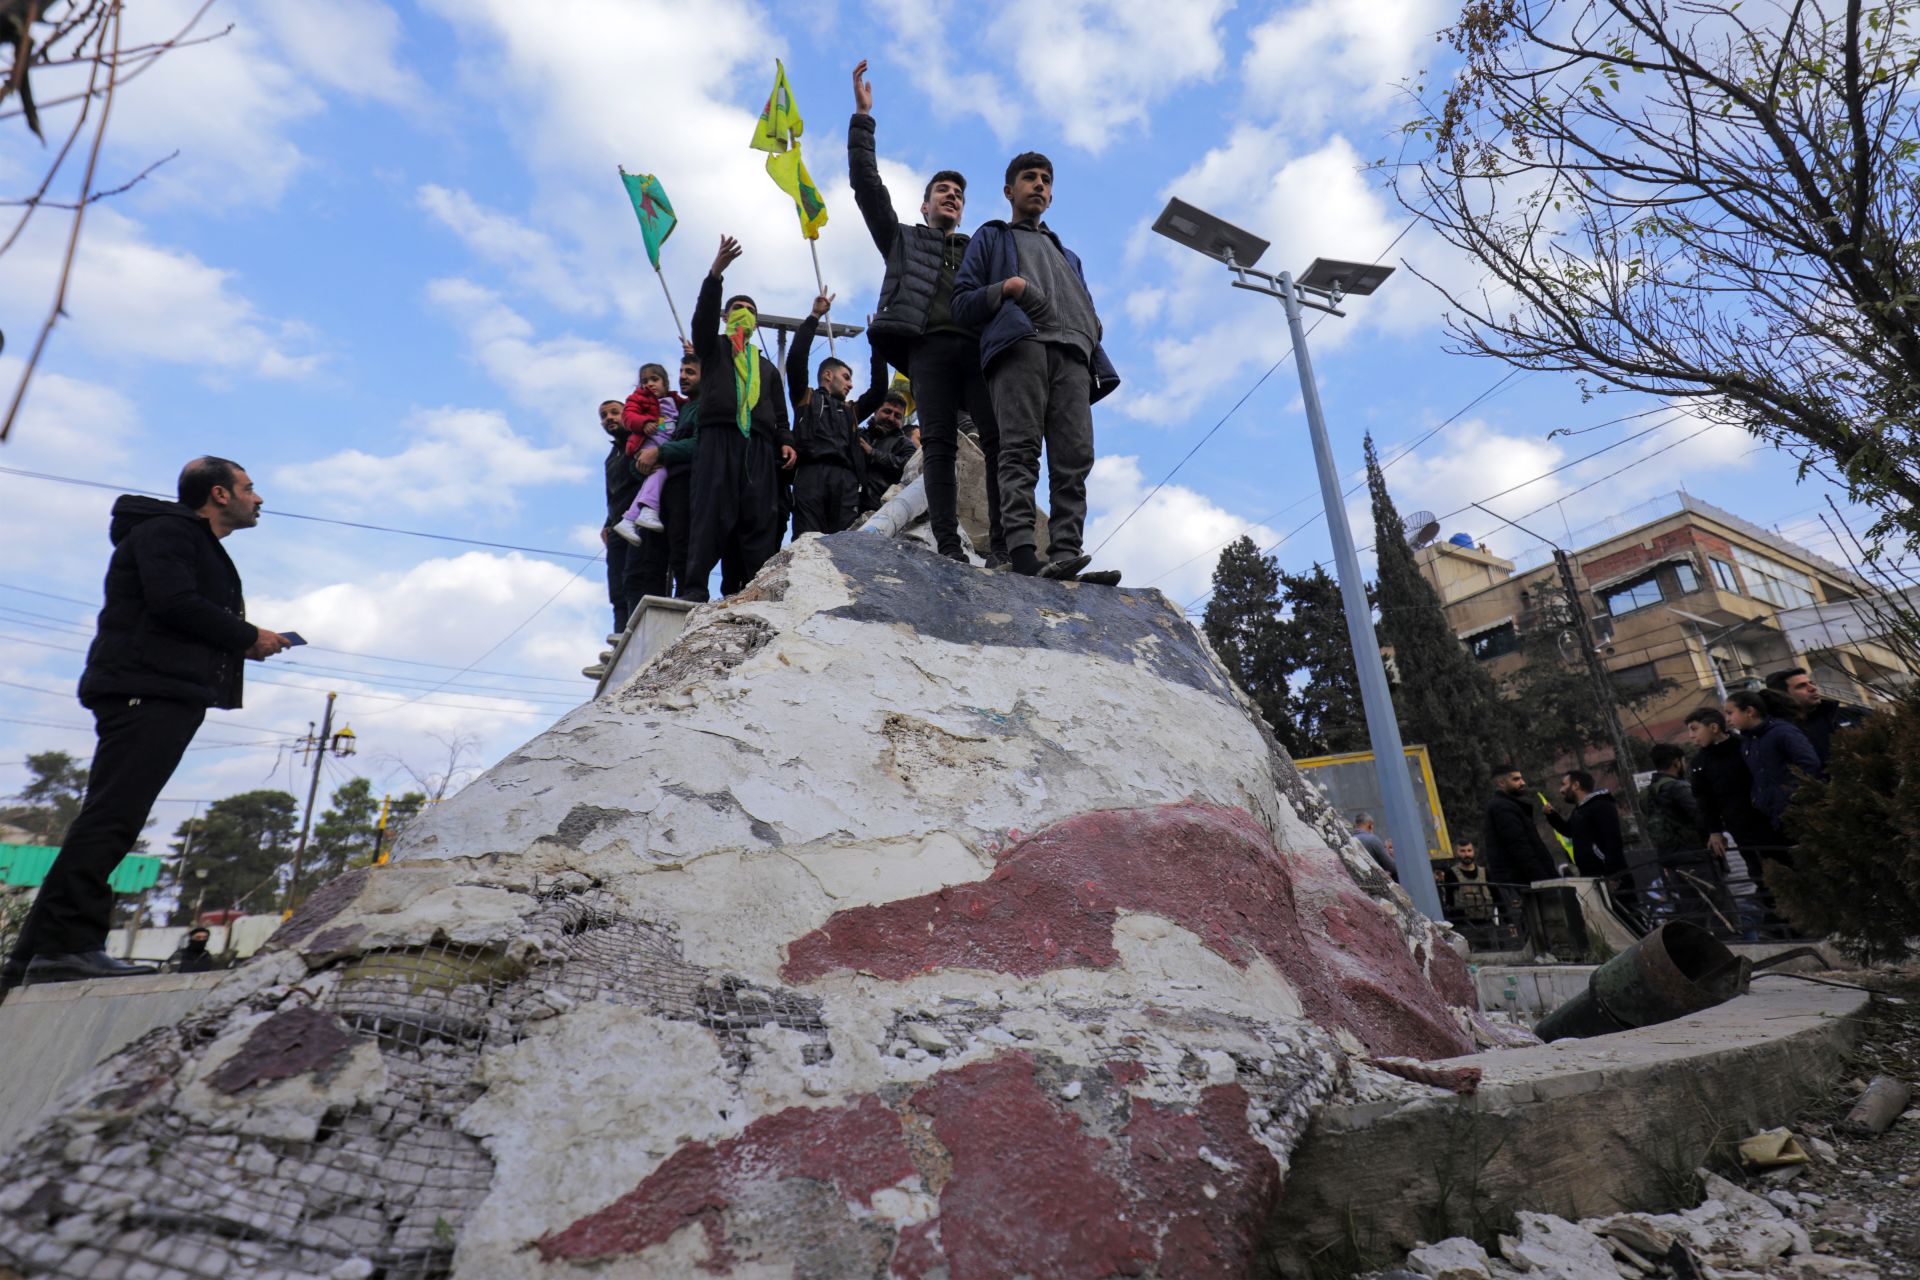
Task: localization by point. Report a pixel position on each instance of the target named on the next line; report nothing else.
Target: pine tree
(1444, 700)
(1318, 655)
(343, 836)
(239, 853)
(1242, 622)
(51, 799)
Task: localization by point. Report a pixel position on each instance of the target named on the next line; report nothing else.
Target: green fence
(26, 865)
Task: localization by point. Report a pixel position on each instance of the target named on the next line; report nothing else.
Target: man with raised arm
(833, 467)
(915, 329)
(744, 440)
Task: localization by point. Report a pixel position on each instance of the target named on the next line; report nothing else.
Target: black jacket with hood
(1515, 852)
(1593, 829)
(175, 623)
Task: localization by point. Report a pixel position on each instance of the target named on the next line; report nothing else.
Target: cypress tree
(1242, 623)
(1443, 699)
(1318, 655)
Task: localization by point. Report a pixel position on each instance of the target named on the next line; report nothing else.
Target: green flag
(651, 207)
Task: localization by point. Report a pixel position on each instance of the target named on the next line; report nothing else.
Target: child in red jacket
(651, 415)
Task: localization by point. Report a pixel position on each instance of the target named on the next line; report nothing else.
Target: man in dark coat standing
(1817, 716)
(1780, 759)
(1592, 828)
(1515, 852)
(167, 646)
(916, 331)
(832, 472)
(739, 500)
(1724, 788)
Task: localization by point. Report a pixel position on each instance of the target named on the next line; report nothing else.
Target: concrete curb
(1579, 1129)
(53, 1034)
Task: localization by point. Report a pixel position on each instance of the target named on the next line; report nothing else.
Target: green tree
(343, 836)
(1318, 655)
(1698, 203)
(1242, 623)
(233, 855)
(51, 799)
(1444, 699)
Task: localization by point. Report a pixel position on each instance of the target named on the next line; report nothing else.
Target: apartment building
(1677, 590)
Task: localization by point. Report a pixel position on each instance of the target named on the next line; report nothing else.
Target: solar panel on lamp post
(1331, 280)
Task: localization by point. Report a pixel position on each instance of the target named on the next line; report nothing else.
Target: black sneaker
(997, 560)
(78, 966)
(1065, 570)
(1102, 577)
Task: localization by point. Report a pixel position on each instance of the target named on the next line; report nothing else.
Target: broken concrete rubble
(892, 896)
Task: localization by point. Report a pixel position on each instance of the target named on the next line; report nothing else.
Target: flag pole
(678, 327)
(813, 246)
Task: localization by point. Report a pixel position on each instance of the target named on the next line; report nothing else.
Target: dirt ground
(1871, 1188)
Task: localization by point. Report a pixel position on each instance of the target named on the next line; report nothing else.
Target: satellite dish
(1421, 528)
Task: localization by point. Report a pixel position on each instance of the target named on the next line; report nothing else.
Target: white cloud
(456, 459)
(1092, 71)
(67, 426)
(1325, 57)
(529, 256)
(350, 46)
(561, 377)
(1173, 542)
(130, 297)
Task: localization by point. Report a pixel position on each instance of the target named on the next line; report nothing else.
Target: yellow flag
(779, 131)
(780, 124)
(790, 174)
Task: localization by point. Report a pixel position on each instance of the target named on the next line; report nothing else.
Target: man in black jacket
(1593, 828)
(915, 329)
(1724, 788)
(832, 471)
(1515, 852)
(1818, 716)
(622, 485)
(738, 496)
(167, 646)
(888, 448)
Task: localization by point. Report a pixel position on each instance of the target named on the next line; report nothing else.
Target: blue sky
(392, 271)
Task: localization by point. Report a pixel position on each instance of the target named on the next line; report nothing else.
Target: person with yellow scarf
(745, 441)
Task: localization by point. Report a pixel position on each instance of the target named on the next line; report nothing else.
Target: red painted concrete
(858, 1148)
(1032, 1184)
(1052, 901)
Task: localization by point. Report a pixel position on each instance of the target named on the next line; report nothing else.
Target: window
(1774, 582)
(1641, 675)
(1685, 575)
(1723, 576)
(1494, 642)
(1637, 594)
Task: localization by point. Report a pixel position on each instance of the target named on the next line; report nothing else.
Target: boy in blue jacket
(1040, 347)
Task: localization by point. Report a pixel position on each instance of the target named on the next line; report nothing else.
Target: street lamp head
(1349, 279)
(1197, 229)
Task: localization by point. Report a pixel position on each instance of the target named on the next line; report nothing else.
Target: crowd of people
(1729, 797)
(996, 331)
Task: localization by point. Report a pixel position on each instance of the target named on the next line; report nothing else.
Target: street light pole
(1239, 250)
(1411, 863)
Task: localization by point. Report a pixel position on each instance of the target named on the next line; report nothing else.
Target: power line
(297, 515)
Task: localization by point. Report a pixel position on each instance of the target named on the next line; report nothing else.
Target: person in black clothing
(167, 646)
(1724, 788)
(915, 329)
(1593, 828)
(193, 956)
(1818, 717)
(1778, 756)
(1515, 852)
(744, 441)
(832, 473)
(1675, 823)
(888, 448)
(622, 484)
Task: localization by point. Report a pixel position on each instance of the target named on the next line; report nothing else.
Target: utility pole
(1602, 688)
(321, 745)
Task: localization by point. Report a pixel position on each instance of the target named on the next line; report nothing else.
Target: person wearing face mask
(193, 956)
(744, 442)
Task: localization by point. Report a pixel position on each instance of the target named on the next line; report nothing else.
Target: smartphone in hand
(293, 638)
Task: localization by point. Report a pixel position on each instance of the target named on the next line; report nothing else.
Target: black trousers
(619, 552)
(140, 743)
(656, 566)
(946, 379)
(739, 509)
(826, 498)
